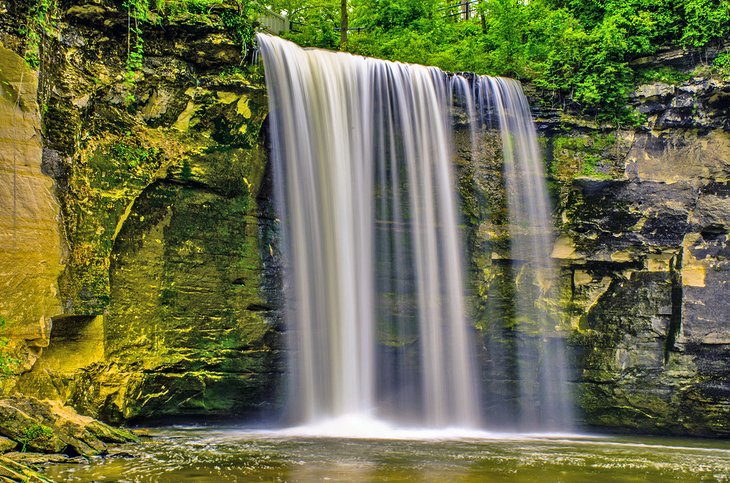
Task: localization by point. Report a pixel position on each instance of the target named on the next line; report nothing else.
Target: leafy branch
(40, 24)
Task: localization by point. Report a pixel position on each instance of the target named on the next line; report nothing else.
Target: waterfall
(362, 153)
(543, 397)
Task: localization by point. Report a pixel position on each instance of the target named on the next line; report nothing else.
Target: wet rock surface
(11, 470)
(49, 427)
(643, 250)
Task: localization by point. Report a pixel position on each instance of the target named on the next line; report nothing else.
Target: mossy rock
(49, 427)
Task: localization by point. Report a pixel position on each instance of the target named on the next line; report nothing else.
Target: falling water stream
(543, 397)
(361, 148)
(363, 151)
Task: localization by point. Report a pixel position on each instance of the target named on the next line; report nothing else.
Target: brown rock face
(30, 241)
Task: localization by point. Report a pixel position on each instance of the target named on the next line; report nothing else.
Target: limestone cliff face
(30, 237)
(162, 307)
(647, 251)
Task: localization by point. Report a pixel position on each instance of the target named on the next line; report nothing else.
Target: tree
(314, 22)
(580, 49)
(344, 17)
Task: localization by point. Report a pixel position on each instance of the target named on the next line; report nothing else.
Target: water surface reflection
(199, 454)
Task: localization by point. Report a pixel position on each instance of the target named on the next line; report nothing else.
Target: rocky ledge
(36, 432)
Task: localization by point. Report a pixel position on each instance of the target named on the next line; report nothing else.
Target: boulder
(14, 471)
(49, 427)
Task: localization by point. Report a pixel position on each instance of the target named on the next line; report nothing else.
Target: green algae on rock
(49, 427)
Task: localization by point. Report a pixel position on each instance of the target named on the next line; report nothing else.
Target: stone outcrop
(49, 427)
(11, 470)
(35, 432)
(29, 220)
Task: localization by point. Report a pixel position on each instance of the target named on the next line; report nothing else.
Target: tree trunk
(343, 25)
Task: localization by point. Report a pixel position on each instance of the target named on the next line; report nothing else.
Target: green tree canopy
(579, 49)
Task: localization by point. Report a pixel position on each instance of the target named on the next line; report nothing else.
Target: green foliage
(174, 8)
(388, 14)
(138, 12)
(6, 362)
(40, 24)
(239, 21)
(34, 432)
(665, 74)
(505, 30)
(314, 22)
(579, 49)
(721, 65)
(707, 20)
(133, 156)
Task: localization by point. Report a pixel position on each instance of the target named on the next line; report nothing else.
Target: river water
(218, 454)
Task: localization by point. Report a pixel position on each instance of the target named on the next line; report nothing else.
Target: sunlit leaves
(580, 49)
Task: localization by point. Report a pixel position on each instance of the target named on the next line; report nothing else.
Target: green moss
(40, 24)
(133, 156)
(7, 362)
(61, 125)
(582, 155)
(33, 434)
(230, 172)
(590, 168)
(102, 185)
(115, 156)
(721, 66)
(199, 249)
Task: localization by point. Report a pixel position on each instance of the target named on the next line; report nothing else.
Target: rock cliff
(151, 181)
(645, 239)
(644, 220)
(140, 251)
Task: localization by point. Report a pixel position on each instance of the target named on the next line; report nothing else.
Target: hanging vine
(239, 22)
(40, 24)
(138, 12)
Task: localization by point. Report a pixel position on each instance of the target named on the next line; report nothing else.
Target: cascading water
(362, 154)
(362, 151)
(543, 397)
